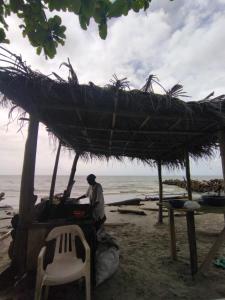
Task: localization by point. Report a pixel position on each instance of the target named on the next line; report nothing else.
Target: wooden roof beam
(84, 131)
(94, 140)
(114, 117)
(134, 134)
(123, 113)
(180, 144)
(63, 140)
(209, 126)
(116, 152)
(94, 146)
(174, 125)
(147, 148)
(153, 132)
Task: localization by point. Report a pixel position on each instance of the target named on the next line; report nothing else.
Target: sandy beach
(146, 270)
(5, 227)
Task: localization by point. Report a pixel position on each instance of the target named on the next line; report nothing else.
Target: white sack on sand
(107, 257)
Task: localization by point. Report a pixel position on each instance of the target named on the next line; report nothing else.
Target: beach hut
(104, 122)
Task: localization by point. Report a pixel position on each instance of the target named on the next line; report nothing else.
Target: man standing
(95, 194)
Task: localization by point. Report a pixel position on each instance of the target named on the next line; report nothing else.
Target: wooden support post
(192, 242)
(222, 153)
(221, 136)
(160, 215)
(172, 235)
(188, 176)
(27, 198)
(71, 179)
(52, 189)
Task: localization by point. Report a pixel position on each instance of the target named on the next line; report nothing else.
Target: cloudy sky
(180, 41)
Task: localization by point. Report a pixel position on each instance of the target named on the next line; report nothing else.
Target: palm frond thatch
(114, 121)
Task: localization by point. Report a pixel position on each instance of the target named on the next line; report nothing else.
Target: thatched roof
(113, 121)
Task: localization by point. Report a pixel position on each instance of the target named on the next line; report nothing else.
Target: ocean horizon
(116, 188)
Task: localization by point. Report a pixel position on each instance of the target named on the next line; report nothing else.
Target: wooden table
(190, 219)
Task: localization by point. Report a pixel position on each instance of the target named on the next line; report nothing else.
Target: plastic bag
(191, 205)
(107, 257)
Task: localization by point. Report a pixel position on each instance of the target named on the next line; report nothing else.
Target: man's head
(91, 179)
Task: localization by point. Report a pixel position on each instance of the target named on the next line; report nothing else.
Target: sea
(115, 188)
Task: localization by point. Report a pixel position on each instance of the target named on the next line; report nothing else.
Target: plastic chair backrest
(65, 240)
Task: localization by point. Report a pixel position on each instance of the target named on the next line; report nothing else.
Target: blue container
(176, 203)
(213, 200)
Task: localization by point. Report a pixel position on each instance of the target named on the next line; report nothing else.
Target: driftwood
(5, 227)
(165, 198)
(6, 235)
(116, 224)
(153, 209)
(4, 207)
(135, 201)
(131, 211)
(6, 218)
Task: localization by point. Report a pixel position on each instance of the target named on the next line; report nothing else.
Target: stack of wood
(213, 185)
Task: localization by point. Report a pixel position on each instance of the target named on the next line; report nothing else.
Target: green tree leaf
(46, 32)
(87, 8)
(103, 31)
(16, 5)
(50, 49)
(83, 22)
(2, 35)
(136, 5)
(118, 8)
(75, 6)
(38, 50)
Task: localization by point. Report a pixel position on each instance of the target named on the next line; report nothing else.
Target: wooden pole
(52, 189)
(27, 198)
(222, 153)
(188, 175)
(221, 136)
(172, 230)
(71, 179)
(160, 215)
(192, 242)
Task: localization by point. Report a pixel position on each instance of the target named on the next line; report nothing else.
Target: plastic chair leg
(46, 292)
(38, 290)
(88, 287)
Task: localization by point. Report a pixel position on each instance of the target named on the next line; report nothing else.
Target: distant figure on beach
(95, 194)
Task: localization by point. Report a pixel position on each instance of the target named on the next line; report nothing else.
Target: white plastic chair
(66, 266)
